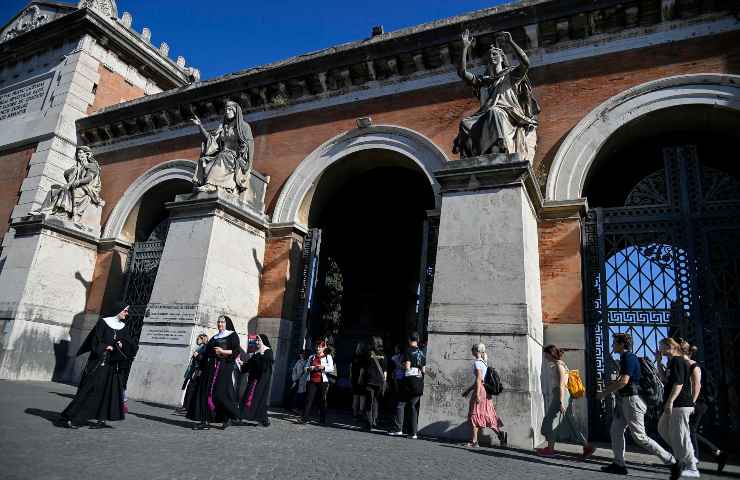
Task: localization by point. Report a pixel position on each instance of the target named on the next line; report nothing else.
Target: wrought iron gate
(141, 272)
(667, 263)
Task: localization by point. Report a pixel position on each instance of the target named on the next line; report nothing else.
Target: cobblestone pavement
(154, 443)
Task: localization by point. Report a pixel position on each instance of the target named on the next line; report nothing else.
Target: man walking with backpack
(630, 408)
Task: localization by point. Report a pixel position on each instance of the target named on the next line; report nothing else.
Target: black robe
(254, 402)
(100, 393)
(214, 398)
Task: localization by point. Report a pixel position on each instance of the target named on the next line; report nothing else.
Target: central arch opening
(370, 207)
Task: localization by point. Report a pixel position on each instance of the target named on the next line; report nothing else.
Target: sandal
(472, 444)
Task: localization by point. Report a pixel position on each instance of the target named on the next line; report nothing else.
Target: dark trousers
(413, 403)
(313, 389)
(371, 404)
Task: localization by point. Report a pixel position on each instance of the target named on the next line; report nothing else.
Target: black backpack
(651, 387)
(707, 394)
(492, 382)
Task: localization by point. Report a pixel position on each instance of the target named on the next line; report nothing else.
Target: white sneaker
(690, 473)
(395, 434)
(413, 437)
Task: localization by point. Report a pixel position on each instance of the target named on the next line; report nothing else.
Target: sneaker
(690, 473)
(721, 461)
(395, 434)
(588, 450)
(503, 438)
(545, 452)
(413, 437)
(615, 469)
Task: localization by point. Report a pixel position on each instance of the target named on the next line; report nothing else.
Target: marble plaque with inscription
(172, 313)
(23, 98)
(168, 334)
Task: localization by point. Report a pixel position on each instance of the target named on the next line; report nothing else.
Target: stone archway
(576, 155)
(299, 189)
(164, 172)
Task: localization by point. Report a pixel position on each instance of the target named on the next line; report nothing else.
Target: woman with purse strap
(374, 379)
(318, 367)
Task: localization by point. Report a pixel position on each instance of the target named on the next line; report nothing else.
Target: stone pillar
(45, 274)
(210, 266)
(486, 289)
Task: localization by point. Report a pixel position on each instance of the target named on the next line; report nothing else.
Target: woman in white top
(481, 412)
(559, 423)
(317, 367)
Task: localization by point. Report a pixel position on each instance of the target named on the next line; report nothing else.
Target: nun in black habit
(215, 399)
(254, 403)
(101, 390)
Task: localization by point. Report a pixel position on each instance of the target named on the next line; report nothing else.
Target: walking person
(630, 408)
(357, 375)
(215, 398)
(674, 423)
(297, 396)
(558, 422)
(375, 377)
(317, 367)
(411, 387)
(701, 394)
(481, 412)
(259, 368)
(100, 395)
(192, 373)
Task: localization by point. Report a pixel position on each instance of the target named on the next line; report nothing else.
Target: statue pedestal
(210, 266)
(486, 290)
(46, 270)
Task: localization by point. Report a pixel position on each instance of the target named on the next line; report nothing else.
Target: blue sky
(222, 36)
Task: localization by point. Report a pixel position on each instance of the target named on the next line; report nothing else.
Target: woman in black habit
(214, 399)
(100, 393)
(259, 367)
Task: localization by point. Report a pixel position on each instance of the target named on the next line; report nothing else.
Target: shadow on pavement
(65, 395)
(52, 417)
(169, 421)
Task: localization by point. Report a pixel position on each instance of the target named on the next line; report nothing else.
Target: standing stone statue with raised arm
(226, 154)
(82, 189)
(506, 121)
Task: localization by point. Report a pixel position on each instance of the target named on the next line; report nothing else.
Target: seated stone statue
(506, 121)
(82, 189)
(226, 154)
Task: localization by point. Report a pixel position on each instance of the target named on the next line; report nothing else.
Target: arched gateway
(661, 240)
(367, 198)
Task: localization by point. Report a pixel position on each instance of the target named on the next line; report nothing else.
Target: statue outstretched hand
(506, 36)
(467, 40)
(196, 120)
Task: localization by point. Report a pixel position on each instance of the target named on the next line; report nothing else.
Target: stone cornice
(208, 204)
(115, 37)
(32, 225)
(566, 209)
(382, 62)
(288, 229)
(490, 172)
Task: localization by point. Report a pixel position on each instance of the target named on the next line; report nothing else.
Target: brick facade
(560, 271)
(111, 89)
(13, 170)
(566, 92)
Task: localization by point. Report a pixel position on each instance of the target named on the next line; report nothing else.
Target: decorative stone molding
(421, 57)
(27, 21)
(412, 145)
(575, 156)
(172, 170)
(194, 205)
(489, 172)
(106, 8)
(557, 210)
